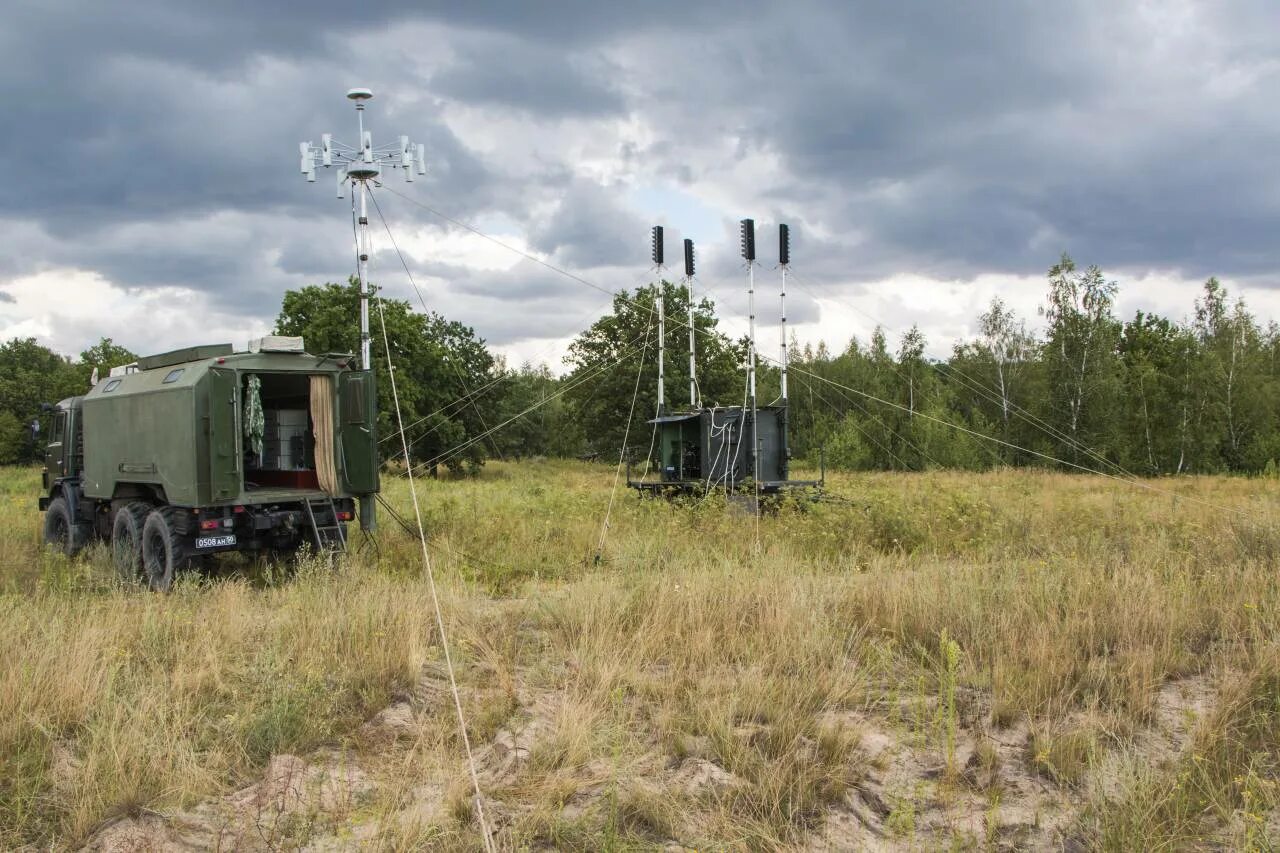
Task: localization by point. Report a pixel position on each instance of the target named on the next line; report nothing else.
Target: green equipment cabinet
(710, 448)
(206, 450)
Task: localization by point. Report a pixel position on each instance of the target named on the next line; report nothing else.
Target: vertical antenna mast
(357, 166)
(749, 255)
(662, 320)
(688, 289)
(784, 261)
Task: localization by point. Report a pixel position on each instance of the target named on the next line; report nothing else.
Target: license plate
(215, 541)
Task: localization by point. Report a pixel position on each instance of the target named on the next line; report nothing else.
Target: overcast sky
(928, 156)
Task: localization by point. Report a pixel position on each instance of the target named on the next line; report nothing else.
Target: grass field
(935, 661)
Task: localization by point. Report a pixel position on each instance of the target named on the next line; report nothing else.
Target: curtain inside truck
(323, 427)
(255, 426)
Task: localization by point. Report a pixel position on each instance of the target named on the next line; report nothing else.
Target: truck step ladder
(329, 536)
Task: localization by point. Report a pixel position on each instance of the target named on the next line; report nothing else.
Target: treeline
(1147, 395)
(32, 375)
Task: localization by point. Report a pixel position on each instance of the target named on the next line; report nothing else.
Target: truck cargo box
(182, 426)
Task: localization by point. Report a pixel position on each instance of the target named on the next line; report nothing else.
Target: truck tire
(60, 531)
(126, 540)
(161, 552)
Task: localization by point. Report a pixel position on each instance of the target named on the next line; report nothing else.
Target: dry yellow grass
(992, 629)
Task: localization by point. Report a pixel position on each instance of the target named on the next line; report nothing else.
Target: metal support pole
(751, 375)
(783, 334)
(751, 332)
(693, 361)
(366, 361)
(784, 450)
(662, 348)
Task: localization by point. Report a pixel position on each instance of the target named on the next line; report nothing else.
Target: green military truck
(206, 450)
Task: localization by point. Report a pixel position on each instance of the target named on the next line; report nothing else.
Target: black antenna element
(688, 257)
(748, 240)
(657, 245)
(784, 245)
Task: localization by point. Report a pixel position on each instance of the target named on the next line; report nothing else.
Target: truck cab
(63, 455)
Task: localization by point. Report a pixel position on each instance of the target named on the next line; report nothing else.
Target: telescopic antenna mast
(688, 289)
(662, 319)
(749, 255)
(784, 261)
(357, 166)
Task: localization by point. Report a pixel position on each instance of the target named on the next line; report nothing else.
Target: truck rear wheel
(160, 549)
(126, 540)
(60, 531)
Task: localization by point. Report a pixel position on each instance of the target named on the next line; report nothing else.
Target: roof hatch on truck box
(181, 356)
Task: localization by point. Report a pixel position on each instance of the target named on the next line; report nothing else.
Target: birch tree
(1080, 354)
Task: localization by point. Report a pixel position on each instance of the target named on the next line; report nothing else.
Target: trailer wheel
(60, 531)
(160, 549)
(126, 540)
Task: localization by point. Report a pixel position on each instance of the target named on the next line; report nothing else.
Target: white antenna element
(358, 166)
(406, 158)
(308, 162)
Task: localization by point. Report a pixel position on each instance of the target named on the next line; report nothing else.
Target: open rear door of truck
(359, 409)
(224, 437)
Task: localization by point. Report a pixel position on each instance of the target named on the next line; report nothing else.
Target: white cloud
(70, 310)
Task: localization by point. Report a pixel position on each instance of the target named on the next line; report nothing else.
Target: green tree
(1235, 377)
(993, 375)
(32, 374)
(1080, 358)
(605, 360)
(103, 356)
(1158, 399)
(444, 373)
(540, 419)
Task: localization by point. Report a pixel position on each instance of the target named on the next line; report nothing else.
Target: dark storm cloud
(541, 79)
(155, 142)
(992, 137)
(590, 227)
(523, 283)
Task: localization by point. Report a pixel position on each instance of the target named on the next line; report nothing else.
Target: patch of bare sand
(910, 796)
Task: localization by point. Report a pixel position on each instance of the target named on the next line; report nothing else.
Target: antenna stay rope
(604, 528)
(359, 168)
(435, 595)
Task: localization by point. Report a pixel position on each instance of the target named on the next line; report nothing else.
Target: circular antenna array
(360, 94)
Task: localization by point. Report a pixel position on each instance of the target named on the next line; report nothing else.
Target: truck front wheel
(126, 540)
(60, 531)
(161, 551)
